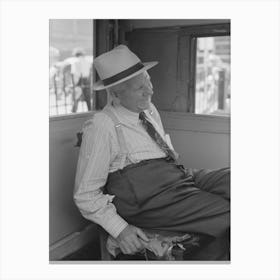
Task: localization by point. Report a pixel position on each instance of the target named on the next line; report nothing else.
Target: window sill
(71, 116)
(196, 122)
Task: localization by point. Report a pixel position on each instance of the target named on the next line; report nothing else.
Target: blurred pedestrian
(80, 70)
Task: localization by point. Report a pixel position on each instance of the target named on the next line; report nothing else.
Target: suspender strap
(120, 135)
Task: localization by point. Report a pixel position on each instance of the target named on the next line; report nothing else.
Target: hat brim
(147, 65)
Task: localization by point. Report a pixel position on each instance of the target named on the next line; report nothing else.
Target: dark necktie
(156, 136)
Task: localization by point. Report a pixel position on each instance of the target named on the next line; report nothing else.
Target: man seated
(128, 177)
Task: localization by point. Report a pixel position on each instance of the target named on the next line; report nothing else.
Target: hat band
(131, 70)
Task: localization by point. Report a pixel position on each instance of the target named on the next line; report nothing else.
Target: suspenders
(123, 148)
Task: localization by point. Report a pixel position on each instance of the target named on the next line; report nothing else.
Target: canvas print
(139, 115)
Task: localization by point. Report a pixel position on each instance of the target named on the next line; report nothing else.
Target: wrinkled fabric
(160, 245)
(160, 194)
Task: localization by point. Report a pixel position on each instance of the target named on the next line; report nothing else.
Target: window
(212, 87)
(210, 75)
(71, 49)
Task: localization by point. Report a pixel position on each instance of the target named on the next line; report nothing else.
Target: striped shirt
(100, 155)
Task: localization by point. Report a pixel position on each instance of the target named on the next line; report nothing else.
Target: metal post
(64, 91)
(221, 90)
(55, 92)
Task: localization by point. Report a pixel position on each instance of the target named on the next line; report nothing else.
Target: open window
(71, 51)
(210, 73)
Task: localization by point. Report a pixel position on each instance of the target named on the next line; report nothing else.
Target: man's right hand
(131, 240)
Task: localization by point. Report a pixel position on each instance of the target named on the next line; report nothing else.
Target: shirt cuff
(115, 225)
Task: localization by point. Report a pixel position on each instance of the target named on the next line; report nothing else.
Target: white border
(255, 138)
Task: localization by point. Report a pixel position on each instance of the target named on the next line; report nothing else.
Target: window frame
(81, 114)
(194, 32)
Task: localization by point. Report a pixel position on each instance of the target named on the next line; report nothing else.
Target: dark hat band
(131, 70)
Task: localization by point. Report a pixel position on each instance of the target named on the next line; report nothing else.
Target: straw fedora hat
(117, 66)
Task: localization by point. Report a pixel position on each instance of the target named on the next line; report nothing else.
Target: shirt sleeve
(91, 175)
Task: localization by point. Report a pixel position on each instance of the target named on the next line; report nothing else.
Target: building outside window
(71, 51)
(212, 90)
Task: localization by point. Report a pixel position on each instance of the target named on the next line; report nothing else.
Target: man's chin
(145, 106)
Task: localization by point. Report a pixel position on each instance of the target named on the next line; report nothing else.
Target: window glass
(70, 72)
(212, 90)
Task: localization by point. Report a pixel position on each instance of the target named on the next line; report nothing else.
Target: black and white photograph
(124, 153)
(140, 122)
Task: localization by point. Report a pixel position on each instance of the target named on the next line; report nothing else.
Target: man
(128, 177)
(80, 70)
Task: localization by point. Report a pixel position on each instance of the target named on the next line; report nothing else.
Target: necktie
(156, 136)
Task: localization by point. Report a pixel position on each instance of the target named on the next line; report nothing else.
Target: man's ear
(115, 97)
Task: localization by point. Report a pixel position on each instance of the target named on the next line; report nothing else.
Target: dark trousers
(84, 83)
(217, 182)
(159, 194)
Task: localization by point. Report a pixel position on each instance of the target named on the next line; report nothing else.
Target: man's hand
(131, 240)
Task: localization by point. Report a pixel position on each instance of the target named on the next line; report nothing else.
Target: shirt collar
(126, 116)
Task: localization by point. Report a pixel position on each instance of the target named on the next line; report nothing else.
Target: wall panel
(64, 217)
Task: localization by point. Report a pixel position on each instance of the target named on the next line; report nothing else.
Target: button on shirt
(100, 155)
